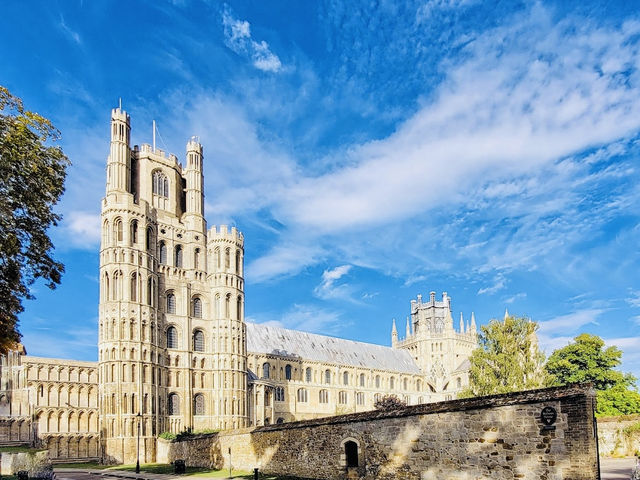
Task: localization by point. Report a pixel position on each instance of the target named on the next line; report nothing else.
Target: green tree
(32, 174)
(617, 400)
(507, 360)
(586, 360)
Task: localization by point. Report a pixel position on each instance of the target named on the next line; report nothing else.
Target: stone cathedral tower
(172, 338)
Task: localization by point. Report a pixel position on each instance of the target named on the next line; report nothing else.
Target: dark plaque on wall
(548, 416)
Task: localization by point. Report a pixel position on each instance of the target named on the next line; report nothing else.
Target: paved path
(616, 468)
(610, 469)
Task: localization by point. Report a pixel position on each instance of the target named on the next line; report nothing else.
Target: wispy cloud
(83, 229)
(238, 38)
(329, 288)
(498, 284)
(634, 298)
(305, 317)
(73, 35)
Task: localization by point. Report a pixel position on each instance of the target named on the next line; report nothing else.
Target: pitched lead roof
(321, 348)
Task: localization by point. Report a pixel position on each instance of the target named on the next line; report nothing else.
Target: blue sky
(369, 151)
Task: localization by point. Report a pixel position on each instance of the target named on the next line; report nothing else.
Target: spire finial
(120, 103)
(461, 323)
(506, 313)
(473, 322)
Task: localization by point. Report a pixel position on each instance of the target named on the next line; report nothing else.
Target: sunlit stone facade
(174, 350)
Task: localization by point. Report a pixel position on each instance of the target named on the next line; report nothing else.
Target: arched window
(163, 253)
(150, 291)
(196, 258)
(196, 307)
(405, 384)
(267, 398)
(216, 258)
(149, 239)
(178, 256)
(160, 184)
(227, 305)
(266, 370)
(360, 398)
(280, 420)
(279, 394)
(117, 230)
(327, 376)
(342, 398)
(377, 381)
(323, 396)
(239, 308)
(172, 337)
(134, 232)
(419, 385)
(134, 287)
(307, 374)
(171, 302)
(198, 404)
(287, 372)
(459, 382)
(198, 341)
(302, 395)
(345, 378)
(227, 259)
(351, 453)
(238, 262)
(173, 404)
(362, 380)
(392, 382)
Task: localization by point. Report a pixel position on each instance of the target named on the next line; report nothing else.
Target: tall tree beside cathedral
(507, 360)
(32, 174)
(586, 360)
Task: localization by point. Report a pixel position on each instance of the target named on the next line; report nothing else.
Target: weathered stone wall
(612, 438)
(497, 437)
(37, 463)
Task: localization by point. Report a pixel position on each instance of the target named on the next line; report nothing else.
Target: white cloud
(498, 284)
(238, 38)
(634, 298)
(329, 288)
(571, 322)
(73, 35)
(83, 229)
(304, 317)
(516, 297)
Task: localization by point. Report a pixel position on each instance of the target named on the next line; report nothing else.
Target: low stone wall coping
(478, 403)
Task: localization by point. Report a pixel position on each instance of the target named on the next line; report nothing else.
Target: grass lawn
(89, 465)
(168, 469)
(191, 471)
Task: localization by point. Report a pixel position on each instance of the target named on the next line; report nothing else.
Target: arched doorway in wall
(350, 454)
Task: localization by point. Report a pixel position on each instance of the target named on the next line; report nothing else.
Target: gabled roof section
(321, 348)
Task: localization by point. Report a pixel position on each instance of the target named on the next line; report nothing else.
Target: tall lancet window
(196, 307)
(178, 259)
(171, 303)
(134, 287)
(163, 253)
(160, 184)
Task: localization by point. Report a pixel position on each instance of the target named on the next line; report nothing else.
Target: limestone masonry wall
(497, 437)
(614, 437)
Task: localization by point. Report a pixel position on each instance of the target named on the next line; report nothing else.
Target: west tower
(172, 341)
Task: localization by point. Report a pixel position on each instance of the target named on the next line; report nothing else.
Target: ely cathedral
(174, 351)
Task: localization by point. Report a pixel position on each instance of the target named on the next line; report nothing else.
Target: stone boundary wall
(613, 440)
(496, 437)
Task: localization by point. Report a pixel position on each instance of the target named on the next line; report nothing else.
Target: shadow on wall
(494, 437)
